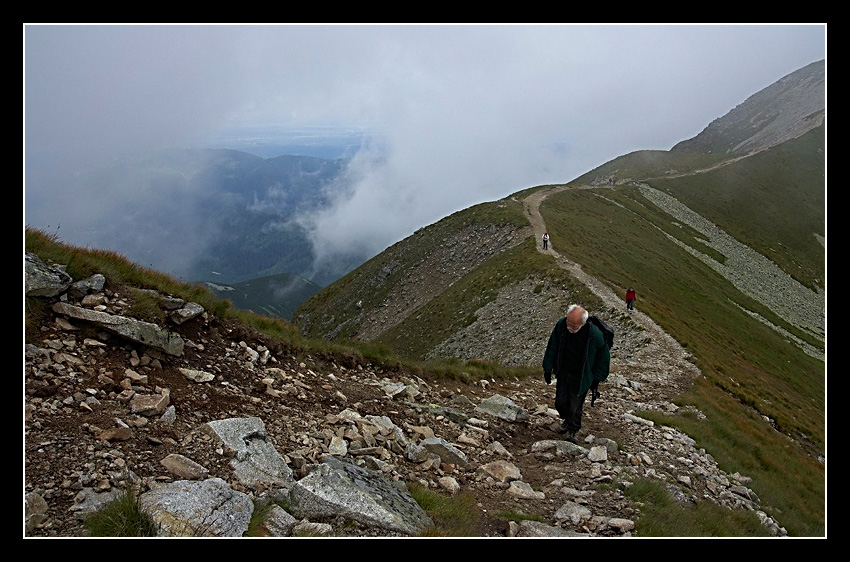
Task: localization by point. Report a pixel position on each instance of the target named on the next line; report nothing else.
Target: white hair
(584, 314)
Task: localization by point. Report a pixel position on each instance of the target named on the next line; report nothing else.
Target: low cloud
(458, 114)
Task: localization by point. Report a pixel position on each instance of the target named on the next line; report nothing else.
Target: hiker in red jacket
(630, 299)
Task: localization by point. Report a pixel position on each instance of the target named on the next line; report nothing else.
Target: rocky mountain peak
(787, 109)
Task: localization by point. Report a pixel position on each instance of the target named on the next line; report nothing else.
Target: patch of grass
(374, 352)
(122, 517)
(36, 310)
(262, 507)
(791, 485)
(515, 515)
(146, 306)
(453, 515)
(472, 370)
(272, 326)
(662, 516)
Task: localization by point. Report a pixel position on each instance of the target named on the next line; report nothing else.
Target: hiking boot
(571, 437)
(563, 428)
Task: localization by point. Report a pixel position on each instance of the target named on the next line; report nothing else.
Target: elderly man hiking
(580, 359)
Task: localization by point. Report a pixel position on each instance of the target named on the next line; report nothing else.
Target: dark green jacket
(597, 358)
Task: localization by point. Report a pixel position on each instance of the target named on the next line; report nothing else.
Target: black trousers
(569, 403)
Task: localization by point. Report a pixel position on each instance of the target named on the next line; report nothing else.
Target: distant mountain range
(275, 295)
(216, 215)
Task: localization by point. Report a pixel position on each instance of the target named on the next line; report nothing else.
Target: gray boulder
(447, 452)
(139, 331)
(503, 408)
(255, 460)
(338, 487)
(42, 280)
(209, 508)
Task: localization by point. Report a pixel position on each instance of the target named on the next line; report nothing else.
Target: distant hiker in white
(545, 240)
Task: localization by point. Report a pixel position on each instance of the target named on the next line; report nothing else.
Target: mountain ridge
(786, 109)
(710, 394)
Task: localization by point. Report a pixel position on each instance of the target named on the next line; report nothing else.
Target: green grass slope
(774, 200)
(755, 381)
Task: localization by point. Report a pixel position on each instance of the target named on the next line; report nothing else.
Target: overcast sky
(466, 113)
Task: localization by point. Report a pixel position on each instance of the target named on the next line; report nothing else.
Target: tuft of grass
(473, 370)
(453, 515)
(662, 516)
(122, 517)
(146, 306)
(275, 327)
(514, 515)
(36, 310)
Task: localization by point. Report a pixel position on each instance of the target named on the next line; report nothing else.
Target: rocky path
(75, 391)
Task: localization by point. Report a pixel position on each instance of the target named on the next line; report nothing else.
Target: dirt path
(663, 360)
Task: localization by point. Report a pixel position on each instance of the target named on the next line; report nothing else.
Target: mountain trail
(662, 345)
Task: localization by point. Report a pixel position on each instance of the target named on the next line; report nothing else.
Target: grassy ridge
(748, 369)
(644, 164)
(455, 308)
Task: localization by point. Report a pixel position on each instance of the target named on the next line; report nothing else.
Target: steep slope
(388, 288)
(784, 110)
(88, 437)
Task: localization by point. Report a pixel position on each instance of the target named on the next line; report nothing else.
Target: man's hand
(594, 392)
(547, 376)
